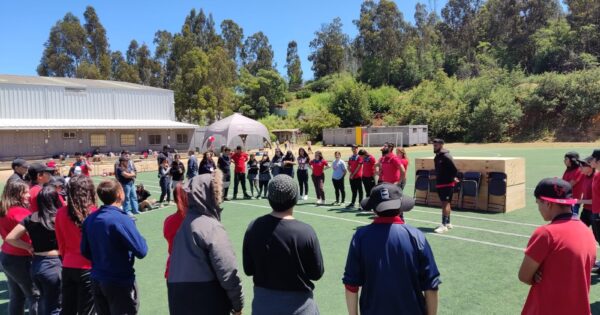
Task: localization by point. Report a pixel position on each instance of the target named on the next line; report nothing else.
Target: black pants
(165, 189)
(194, 298)
(20, 285)
(586, 217)
(596, 227)
(318, 182)
(46, 272)
(112, 299)
(239, 178)
(303, 182)
(338, 185)
(262, 188)
(77, 297)
(357, 190)
(369, 183)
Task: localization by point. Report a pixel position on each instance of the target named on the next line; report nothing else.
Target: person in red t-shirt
(587, 191)
(403, 157)
(368, 170)
(574, 176)
(240, 158)
(77, 296)
(595, 163)
(318, 165)
(16, 262)
(83, 163)
(39, 174)
(559, 256)
(355, 169)
(389, 166)
(173, 222)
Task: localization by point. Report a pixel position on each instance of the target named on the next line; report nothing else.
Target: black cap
(596, 154)
(587, 161)
(19, 162)
(387, 197)
(37, 168)
(572, 155)
(555, 190)
(439, 141)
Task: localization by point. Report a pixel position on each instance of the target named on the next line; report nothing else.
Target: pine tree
(294, 68)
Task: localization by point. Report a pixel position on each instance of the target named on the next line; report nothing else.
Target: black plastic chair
(421, 184)
(497, 187)
(470, 187)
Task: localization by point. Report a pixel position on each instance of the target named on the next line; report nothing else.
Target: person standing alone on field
(355, 169)
(445, 181)
(559, 257)
(239, 158)
(391, 261)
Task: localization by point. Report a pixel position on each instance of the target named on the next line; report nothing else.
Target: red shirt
(240, 160)
(577, 176)
(318, 166)
(586, 183)
(33, 193)
(170, 228)
(566, 252)
(369, 162)
(14, 216)
(354, 162)
(68, 236)
(596, 193)
(404, 163)
(390, 168)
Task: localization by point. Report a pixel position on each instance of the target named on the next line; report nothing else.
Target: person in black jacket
(224, 164)
(445, 181)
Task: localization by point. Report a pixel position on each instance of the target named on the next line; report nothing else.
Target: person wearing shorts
(445, 176)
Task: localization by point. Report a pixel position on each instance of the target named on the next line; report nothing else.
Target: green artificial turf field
(478, 260)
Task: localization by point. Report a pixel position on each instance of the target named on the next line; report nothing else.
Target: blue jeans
(131, 204)
(46, 272)
(20, 285)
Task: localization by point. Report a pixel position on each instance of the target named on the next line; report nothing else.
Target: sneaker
(305, 197)
(441, 229)
(247, 197)
(350, 206)
(335, 204)
(449, 226)
(319, 202)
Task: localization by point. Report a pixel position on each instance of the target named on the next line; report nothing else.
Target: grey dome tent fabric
(236, 126)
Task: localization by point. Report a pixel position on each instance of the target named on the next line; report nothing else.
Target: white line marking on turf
(364, 223)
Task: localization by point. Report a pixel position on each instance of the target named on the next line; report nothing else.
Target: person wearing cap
(355, 168)
(445, 181)
(83, 163)
(126, 176)
(368, 170)
(19, 167)
(130, 165)
(39, 174)
(586, 190)
(282, 255)
(573, 176)
(390, 262)
(559, 256)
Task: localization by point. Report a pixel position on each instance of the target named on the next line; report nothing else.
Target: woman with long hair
(16, 261)
(574, 176)
(303, 160)
(264, 176)
(288, 162)
(203, 274)
(277, 162)
(46, 266)
(318, 165)
(403, 157)
(253, 169)
(173, 222)
(224, 164)
(77, 297)
(207, 165)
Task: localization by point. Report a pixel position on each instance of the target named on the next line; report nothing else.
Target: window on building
(98, 140)
(154, 139)
(127, 139)
(69, 135)
(414, 130)
(182, 138)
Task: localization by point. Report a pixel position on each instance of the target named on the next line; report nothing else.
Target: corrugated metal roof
(65, 124)
(73, 83)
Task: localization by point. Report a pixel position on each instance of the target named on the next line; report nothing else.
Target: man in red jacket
(240, 158)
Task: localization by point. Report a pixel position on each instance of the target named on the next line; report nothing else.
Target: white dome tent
(230, 130)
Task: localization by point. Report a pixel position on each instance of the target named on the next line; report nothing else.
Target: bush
(302, 94)
(383, 99)
(314, 123)
(350, 103)
(495, 116)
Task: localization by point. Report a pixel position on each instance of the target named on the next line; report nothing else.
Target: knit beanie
(283, 193)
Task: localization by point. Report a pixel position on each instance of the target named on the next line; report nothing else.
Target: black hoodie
(445, 170)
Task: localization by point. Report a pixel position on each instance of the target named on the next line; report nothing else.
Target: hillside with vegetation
(480, 71)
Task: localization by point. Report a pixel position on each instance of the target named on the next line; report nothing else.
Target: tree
(351, 103)
(328, 49)
(268, 84)
(294, 68)
(148, 69)
(121, 70)
(191, 78)
(584, 18)
(163, 41)
(232, 35)
(257, 53)
(132, 52)
(64, 49)
(222, 78)
(96, 43)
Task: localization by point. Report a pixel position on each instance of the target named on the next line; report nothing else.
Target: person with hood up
(203, 274)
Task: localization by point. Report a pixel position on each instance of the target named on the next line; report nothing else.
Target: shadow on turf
(596, 280)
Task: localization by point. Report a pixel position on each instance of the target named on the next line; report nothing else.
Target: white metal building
(43, 116)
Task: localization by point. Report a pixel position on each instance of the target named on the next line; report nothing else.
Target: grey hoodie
(202, 252)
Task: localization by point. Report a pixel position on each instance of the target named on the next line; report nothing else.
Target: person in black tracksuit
(445, 176)
(264, 176)
(224, 164)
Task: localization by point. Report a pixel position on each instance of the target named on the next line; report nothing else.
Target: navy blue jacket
(393, 264)
(192, 169)
(111, 241)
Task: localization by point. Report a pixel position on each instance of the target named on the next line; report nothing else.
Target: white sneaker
(449, 226)
(305, 197)
(319, 201)
(441, 229)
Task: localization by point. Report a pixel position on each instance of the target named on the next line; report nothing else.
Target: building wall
(57, 102)
(43, 144)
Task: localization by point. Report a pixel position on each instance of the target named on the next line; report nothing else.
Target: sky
(25, 24)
